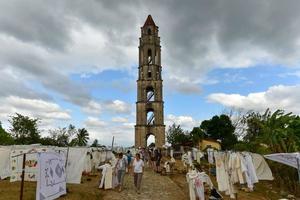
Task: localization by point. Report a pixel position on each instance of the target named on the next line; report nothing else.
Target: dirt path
(154, 186)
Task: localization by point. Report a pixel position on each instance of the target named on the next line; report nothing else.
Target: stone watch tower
(149, 105)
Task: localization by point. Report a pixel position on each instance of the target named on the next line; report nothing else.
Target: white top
(138, 166)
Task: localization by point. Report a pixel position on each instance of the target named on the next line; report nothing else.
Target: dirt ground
(262, 191)
(86, 190)
(154, 186)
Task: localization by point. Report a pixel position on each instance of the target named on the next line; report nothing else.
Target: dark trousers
(138, 180)
(121, 174)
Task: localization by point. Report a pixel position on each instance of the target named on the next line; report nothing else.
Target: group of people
(152, 157)
(113, 171)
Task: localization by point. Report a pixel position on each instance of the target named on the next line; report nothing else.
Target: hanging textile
(210, 154)
(51, 178)
(196, 181)
(75, 164)
(5, 162)
(199, 155)
(31, 162)
(290, 159)
(262, 168)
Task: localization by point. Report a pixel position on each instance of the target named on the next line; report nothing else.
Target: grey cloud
(11, 85)
(189, 30)
(43, 23)
(31, 66)
(186, 27)
(197, 36)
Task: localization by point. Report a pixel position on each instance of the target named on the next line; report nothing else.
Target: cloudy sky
(76, 61)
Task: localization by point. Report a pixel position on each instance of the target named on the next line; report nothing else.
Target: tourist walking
(129, 156)
(121, 169)
(146, 157)
(138, 169)
(158, 159)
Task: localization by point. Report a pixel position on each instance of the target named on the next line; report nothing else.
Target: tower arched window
(150, 117)
(150, 94)
(149, 31)
(149, 56)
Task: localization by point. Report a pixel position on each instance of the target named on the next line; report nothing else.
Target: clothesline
(290, 159)
(234, 168)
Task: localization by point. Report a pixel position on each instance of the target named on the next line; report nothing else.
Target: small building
(209, 143)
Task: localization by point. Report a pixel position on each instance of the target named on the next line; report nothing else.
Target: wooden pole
(23, 176)
(66, 165)
(298, 165)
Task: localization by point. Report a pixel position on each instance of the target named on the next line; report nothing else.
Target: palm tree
(82, 137)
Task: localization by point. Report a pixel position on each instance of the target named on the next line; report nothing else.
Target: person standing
(158, 159)
(121, 169)
(129, 155)
(138, 169)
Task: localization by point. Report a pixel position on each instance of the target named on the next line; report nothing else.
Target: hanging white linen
(291, 159)
(5, 162)
(75, 164)
(251, 177)
(199, 155)
(106, 179)
(185, 159)
(51, 178)
(210, 154)
(88, 162)
(221, 174)
(196, 182)
(30, 162)
(262, 168)
(190, 160)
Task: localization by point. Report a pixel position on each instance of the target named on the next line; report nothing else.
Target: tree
(237, 119)
(5, 138)
(82, 137)
(62, 136)
(24, 129)
(48, 141)
(220, 128)
(196, 135)
(95, 143)
(71, 130)
(176, 135)
(273, 132)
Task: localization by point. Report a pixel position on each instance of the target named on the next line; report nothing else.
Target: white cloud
(94, 122)
(118, 106)
(33, 107)
(186, 122)
(50, 114)
(296, 73)
(104, 131)
(92, 107)
(119, 119)
(276, 97)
